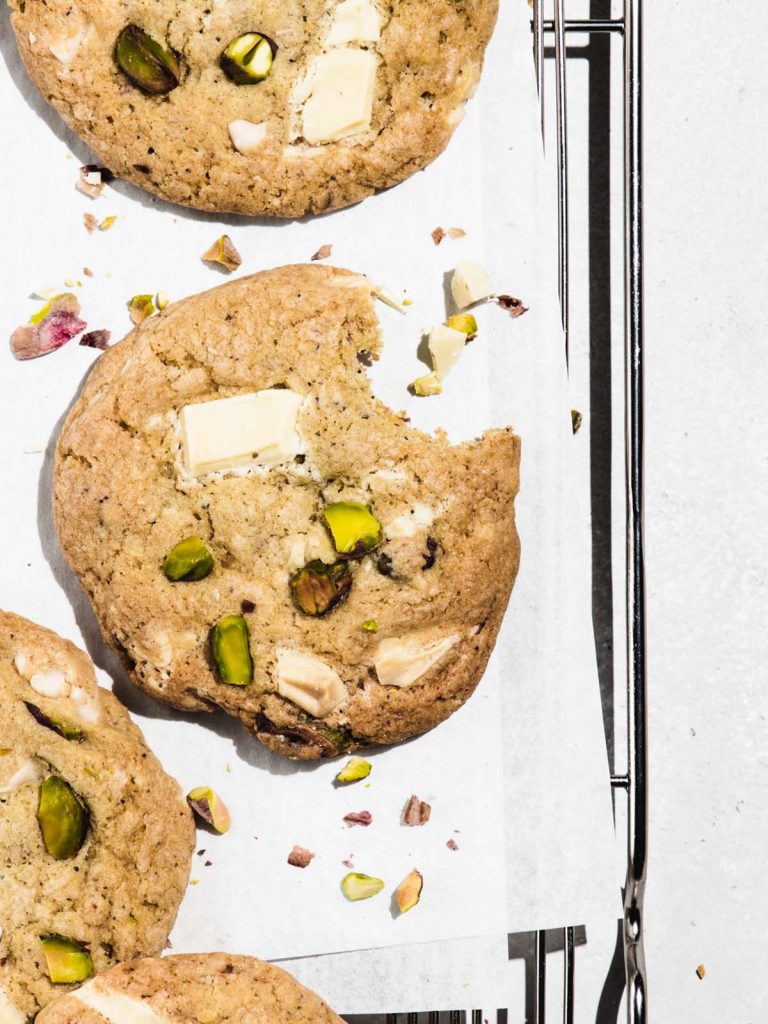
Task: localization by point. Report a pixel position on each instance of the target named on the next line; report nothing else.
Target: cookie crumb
(96, 339)
(456, 232)
(90, 222)
(452, 844)
(323, 253)
(438, 235)
(700, 971)
(416, 812)
(93, 180)
(87, 271)
(299, 857)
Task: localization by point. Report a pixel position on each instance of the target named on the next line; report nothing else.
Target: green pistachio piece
(208, 805)
(68, 962)
(354, 528)
(189, 560)
(318, 587)
(427, 385)
(370, 626)
(356, 886)
(62, 817)
(69, 732)
(355, 769)
(150, 67)
(463, 322)
(248, 58)
(231, 651)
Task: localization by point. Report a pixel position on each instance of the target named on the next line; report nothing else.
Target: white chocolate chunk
(254, 429)
(309, 682)
(339, 89)
(9, 1014)
(89, 713)
(387, 295)
(411, 522)
(470, 283)
(246, 136)
(354, 21)
(21, 664)
(65, 48)
(24, 775)
(115, 1007)
(50, 684)
(445, 346)
(401, 660)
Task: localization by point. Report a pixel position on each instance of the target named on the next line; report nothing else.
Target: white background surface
(558, 824)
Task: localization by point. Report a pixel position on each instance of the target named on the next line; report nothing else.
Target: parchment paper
(520, 771)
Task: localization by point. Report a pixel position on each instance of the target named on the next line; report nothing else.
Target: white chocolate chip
(338, 92)
(78, 695)
(89, 713)
(65, 48)
(309, 682)
(50, 684)
(401, 660)
(297, 552)
(246, 136)
(115, 1007)
(21, 664)
(410, 523)
(388, 297)
(354, 21)
(445, 346)
(24, 775)
(470, 283)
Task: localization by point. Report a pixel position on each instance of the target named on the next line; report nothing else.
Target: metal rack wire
(632, 780)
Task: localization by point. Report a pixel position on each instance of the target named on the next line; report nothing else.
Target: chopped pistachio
(357, 886)
(512, 305)
(96, 339)
(231, 651)
(354, 528)
(370, 626)
(408, 893)
(67, 961)
(141, 307)
(189, 560)
(318, 587)
(355, 769)
(248, 58)
(224, 253)
(106, 223)
(145, 62)
(299, 857)
(463, 322)
(322, 253)
(64, 729)
(50, 328)
(62, 818)
(438, 235)
(427, 385)
(209, 807)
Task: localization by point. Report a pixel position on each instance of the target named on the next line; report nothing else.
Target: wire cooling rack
(552, 32)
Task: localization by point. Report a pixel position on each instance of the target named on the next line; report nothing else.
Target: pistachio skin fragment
(408, 893)
(463, 322)
(317, 588)
(355, 769)
(189, 560)
(64, 729)
(62, 818)
(209, 806)
(354, 528)
(231, 651)
(67, 961)
(247, 60)
(357, 886)
(151, 68)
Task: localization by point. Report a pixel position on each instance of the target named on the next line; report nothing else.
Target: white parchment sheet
(518, 778)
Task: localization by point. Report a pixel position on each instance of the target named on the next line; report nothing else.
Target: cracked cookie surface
(182, 145)
(207, 988)
(103, 861)
(410, 640)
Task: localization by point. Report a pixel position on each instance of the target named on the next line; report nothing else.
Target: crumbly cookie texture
(207, 988)
(359, 95)
(99, 857)
(434, 582)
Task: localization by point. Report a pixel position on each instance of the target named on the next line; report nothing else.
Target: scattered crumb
(107, 223)
(93, 180)
(140, 307)
(438, 235)
(452, 844)
(323, 252)
(416, 812)
(168, 944)
(348, 863)
(208, 863)
(576, 420)
(194, 881)
(87, 271)
(456, 232)
(69, 283)
(91, 222)
(228, 767)
(299, 857)
(224, 253)
(53, 326)
(200, 853)
(96, 339)
(161, 300)
(358, 818)
(700, 970)
(512, 305)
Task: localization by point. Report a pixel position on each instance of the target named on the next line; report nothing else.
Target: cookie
(95, 838)
(258, 533)
(205, 988)
(282, 107)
